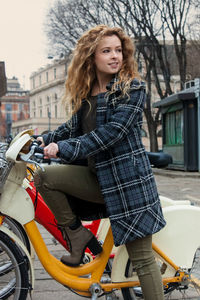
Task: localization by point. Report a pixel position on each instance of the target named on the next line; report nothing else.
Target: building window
(34, 107)
(56, 111)
(56, 96)
(174, 128)
(8, 107)
(8, 118)
(54, 71)
(40, 80)
(47, 76)
(40, 113)
(48, 99)
(40, 101)
(20, 112)
(33, 82)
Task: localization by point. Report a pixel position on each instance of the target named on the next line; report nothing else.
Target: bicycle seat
(159, 159)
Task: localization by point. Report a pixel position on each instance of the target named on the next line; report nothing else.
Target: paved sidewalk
(178, 185)
(173, 184)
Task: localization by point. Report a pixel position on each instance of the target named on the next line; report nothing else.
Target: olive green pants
(78, 181)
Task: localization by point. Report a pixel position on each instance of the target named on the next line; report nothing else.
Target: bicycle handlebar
(39, 153)
(36, 152)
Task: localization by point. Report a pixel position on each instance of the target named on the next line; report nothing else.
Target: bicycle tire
(15, 283)
(18, 230)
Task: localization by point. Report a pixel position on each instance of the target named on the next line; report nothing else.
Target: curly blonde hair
(81, 70)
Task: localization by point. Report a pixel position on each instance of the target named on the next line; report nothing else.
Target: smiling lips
(114, 64)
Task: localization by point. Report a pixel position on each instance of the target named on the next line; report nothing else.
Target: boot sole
(94, 247)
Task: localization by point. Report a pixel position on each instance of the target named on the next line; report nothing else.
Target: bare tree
(151, 23)
(68, 19)
(193, 46)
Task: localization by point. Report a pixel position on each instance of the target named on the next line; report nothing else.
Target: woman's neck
(100, 86)
(97, 89)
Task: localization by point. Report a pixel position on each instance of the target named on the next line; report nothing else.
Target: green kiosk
(181, 126)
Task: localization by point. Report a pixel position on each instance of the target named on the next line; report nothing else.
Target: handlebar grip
(35, 145)
(39, 150)
(39, 143)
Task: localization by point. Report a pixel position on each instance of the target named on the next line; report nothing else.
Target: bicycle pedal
(87, 258)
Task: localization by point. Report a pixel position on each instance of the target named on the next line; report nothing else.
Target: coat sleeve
(125, 114)
(63, 132)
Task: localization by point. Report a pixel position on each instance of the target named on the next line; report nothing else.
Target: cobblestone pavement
(175, 187)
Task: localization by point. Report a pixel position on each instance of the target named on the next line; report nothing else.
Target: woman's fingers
(51, 151)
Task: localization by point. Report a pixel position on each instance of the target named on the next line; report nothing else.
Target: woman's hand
(51, 151)
(40, 139)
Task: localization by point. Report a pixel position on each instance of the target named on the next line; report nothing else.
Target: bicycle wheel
(17, 229)
(187, 289)
(14, 281)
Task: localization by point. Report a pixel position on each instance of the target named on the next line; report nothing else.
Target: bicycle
(87, 280)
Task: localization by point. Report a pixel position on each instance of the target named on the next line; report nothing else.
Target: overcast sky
(23, 45)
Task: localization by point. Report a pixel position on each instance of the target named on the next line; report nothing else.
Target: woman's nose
(114, 53)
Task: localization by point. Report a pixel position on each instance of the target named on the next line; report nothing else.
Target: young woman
(106, 171)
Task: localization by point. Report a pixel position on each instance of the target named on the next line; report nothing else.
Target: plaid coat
(123, 169)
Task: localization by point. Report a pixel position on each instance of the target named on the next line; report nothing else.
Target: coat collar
(113, 80)
(135, 84)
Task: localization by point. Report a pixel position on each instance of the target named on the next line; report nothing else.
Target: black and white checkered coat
(123, 169)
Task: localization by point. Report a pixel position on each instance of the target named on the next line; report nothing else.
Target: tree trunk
(152, 129)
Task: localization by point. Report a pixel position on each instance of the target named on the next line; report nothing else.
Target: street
(177, 187)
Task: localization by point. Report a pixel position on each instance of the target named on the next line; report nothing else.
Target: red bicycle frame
(45, 217)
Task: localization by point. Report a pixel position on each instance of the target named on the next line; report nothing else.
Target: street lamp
(49, 117)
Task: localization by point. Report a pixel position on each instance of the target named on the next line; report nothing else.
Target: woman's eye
(105, 51)
(119, 50)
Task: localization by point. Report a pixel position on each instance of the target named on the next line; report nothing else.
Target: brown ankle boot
(78, 240)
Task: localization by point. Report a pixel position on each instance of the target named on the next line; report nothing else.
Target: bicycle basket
(5, 166)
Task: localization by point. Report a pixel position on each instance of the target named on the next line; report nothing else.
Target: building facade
(46, 92)
(14, 108)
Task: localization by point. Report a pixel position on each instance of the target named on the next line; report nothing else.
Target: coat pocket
(141, 165)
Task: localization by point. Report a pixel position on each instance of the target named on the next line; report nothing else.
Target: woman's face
(108, 56)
